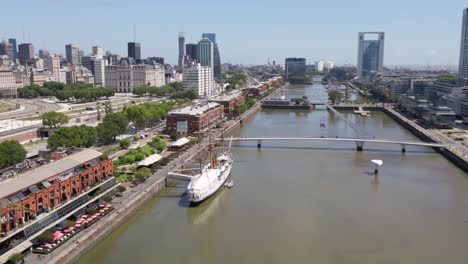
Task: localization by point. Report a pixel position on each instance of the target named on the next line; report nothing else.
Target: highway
(31, 107)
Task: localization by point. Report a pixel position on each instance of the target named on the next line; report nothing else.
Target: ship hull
(196, 197)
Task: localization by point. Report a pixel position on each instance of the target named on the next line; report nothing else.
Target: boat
(211, 177)
(229, 183)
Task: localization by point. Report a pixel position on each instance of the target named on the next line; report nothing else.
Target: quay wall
(69, 254)
(104, 227)
(417, 131)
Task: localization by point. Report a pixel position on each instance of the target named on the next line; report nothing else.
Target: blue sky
(248, 32)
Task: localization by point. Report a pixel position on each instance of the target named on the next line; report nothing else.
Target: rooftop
(226, 97)
(31, 177)
(195, 109)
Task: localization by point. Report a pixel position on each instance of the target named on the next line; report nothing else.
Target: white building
(8, 83)
(126, 75)
(322, 65)
(200, 79)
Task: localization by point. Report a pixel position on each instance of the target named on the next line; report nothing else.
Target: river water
(309, 202)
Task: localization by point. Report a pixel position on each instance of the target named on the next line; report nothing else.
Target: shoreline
(73, 249)
(71, 253)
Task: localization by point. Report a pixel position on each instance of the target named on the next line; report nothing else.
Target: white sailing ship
(210, 176)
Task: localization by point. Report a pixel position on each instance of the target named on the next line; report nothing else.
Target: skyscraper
(97, 52)
(370, 53)
(181, 51)
(25, 53)
(217, 57)
(295, 67)
(205, 53)
(134, 51)
(6, 49)
(191, 51)
(463, 65)
(72, 53)
(12, 41)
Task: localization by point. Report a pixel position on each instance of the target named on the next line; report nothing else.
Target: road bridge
(358, 141)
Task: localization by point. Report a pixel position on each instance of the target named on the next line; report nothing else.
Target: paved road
(32, 107)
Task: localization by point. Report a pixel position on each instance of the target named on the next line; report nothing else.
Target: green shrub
(139, 156)
(124, 143)
(121, 188)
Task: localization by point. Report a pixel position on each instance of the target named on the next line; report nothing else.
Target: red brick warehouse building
(229, 101)
(193, 119)
(41, 189)
(263, 87)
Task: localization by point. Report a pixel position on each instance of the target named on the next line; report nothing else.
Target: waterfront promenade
(131, 200)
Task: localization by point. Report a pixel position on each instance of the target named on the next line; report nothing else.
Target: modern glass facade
(295, 67)
(134, 51)
(370, 53)
(463, 64)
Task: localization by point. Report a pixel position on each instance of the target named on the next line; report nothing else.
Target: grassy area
(124, 177)
(6, 107)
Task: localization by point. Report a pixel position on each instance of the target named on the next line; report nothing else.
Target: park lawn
(123, 177)
(6, 107)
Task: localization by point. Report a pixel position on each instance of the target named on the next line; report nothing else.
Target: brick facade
(195, 123)
(58, 192)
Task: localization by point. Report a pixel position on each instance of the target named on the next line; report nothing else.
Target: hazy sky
(248, 31)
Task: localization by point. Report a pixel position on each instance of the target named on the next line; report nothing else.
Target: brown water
(309, 202)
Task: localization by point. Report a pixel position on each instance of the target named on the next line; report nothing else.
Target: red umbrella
(102, 205)
(66, 231)
(71, 228)
(78, 225)
(102, 211)
(84, 216)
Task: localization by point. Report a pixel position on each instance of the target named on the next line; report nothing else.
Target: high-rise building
(295, 67)
(52, 63)
(134, 51)
(97, 52)
(97, 68)
(205, 53)
(191, 51)
(6, 49)
(12, 41)
(463, 65)
(181, 51)
(25, 53)
(43, 53)
(72, 53)
(200, 79)
(370, 53)
(217, 57)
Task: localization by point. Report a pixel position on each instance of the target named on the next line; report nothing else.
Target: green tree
(140, 90)
(174, 136)
(121, 188)
(178, 86)
(119, 119)
(11, 153)
(54, 119)
(334, 96)
(69, 223)
(124, 143)
(45, 237)
(16, 258)
(107, 132)
(142, 174)
(107, 198)
(75, 136)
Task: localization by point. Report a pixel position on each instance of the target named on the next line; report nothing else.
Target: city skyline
(409, 40)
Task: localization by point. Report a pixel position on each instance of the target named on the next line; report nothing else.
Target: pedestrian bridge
(358, 141)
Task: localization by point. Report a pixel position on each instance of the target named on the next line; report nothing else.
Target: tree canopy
(334, 96)
(11, 153)
(79, 91)
(143, 114)
(54, 119)
(74, 136)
